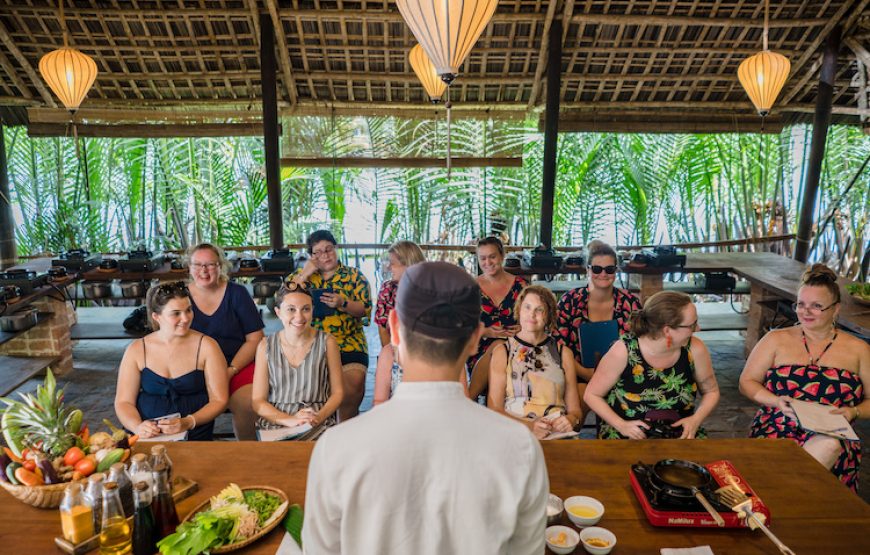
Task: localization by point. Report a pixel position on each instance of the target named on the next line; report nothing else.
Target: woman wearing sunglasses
(171, 371)
(658, 368)
(225, 311)
(814, 362)
(598, 301)
(531, 377)
(298, 378)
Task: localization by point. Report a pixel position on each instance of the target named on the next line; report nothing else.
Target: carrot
(27, 477)
(13, 456)
(126, 455)
(131, 441)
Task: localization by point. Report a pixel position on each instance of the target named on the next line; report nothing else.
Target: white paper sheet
(818, 418)
(700, 550)
(180, 436)
(280, 434)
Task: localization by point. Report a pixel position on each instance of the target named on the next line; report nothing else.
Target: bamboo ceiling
(633, 64)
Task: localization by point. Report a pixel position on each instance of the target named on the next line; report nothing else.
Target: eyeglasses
(693, 326)
(324, 252)
(204, 265)
(596, 269)
(814, 308)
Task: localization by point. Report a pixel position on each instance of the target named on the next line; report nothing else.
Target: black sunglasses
(172, 288)
(596, 269)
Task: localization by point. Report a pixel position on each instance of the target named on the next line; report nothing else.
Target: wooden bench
(14, 371)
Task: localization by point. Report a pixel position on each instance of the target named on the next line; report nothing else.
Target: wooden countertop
(811, 511)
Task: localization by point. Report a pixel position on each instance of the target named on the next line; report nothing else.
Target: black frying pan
(686, 479)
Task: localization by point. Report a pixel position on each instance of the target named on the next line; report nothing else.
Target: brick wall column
(49, 338)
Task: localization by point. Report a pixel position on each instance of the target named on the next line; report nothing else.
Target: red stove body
(664, 512)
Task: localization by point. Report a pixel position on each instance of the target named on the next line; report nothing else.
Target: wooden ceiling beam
(543, 52)
(146, 130)
(19, 84)
(695, 21)
(25, 65)
(281, 38)
(858, 49)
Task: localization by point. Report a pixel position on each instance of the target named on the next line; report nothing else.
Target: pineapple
(40, 421)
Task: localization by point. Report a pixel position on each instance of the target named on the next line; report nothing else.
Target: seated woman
(225, 311)
(388, 374)
(350, 301)
(812, 362)
(498, 294)
(530, 376)
(171, 370)
(598, 301)
(658, 367)
(297, 375)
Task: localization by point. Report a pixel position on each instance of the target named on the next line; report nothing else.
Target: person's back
(428, 471)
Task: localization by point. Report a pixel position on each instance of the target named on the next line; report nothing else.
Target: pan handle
(713, 512)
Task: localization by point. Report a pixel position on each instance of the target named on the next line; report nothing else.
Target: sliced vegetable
(27, 477)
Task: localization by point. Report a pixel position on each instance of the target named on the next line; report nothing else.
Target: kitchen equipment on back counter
(97, 289)
(108, 265)
(141, 261)
(25, 280)
(667, 493)
(57, 273)
(134, 289)
(278, 260)
(541, 258)
(266, 287)
(78, 260)
(249, 265)
(20, 321)
(11, 293)
(659, 257)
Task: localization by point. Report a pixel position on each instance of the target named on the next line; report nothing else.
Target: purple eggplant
(48, 473)
(4, 462)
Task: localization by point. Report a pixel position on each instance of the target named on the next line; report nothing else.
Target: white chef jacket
(427, 472)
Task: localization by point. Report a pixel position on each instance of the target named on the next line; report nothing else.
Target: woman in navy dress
(171, 370)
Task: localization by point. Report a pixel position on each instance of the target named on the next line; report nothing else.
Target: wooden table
(811, 511)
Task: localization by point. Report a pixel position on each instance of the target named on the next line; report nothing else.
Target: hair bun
(818, 273)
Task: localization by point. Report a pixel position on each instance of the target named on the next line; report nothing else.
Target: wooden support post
(551, 131)
(650, 284)
(8, 250)
(759, 314)
(821, 121)
(268, 80)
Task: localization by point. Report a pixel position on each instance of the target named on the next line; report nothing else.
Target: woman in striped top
(297, 375)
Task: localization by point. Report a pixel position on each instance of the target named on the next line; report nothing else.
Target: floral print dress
(492, 314)
(642, 388)
(817, 384)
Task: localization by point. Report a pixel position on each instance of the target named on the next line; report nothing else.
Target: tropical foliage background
(626, 189)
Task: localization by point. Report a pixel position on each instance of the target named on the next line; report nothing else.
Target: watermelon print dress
(817, 384)
(492, 314)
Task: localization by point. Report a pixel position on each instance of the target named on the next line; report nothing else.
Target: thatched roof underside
(627, 65)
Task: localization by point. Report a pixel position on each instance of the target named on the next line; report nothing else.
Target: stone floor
(91, 387)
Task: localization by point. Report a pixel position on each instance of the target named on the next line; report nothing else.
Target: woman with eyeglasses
(598, 301)
(652, 376)
(814, 362)
(347, 303)
(499, 291)
(388, 373)
(172, 370)
(225, 311)
(298, 377)
(531, 377)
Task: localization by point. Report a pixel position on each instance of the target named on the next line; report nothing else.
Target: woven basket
(41, 497)
(268, 526)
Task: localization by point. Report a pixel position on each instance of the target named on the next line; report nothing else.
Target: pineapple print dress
(642, 388)
(817, 384)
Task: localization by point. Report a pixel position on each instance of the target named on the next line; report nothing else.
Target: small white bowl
(597, 532)
(554, 509)
(573, 538)
(585, 501)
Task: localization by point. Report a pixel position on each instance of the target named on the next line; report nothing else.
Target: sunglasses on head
(596, 269)
(296, 287)
(172, 288)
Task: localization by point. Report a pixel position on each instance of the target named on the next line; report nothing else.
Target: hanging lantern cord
(766, 20)
(63, 28)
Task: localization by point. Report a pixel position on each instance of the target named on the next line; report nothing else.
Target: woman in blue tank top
(171, 370)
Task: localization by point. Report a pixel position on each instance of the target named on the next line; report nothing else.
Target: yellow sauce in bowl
(583, 511)
(597, 542)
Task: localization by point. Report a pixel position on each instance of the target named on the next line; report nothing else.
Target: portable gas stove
(78, 260)
(140, 261)
(25, 280)
(662, 509)
(280, 260)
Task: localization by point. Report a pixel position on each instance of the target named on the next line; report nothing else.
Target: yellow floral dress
(346, 329)
(642, 388)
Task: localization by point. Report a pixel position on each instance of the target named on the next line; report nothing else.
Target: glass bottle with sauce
(118, 474)
(115, 534)
(165, 516)
(94, 499)
(144, 542)
(76, 517)
(140, 470)
(160, 456)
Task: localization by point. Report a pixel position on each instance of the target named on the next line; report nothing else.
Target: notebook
(284, 433)
(320, 309)
(818, 418)
(595, 340)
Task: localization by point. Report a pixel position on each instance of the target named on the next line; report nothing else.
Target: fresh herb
(861, 290)
(263, 503)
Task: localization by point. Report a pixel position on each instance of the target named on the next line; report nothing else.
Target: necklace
(814, 362)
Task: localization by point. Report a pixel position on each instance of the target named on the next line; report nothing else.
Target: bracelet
(192, 417)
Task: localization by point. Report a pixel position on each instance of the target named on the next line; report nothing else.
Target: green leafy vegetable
(859, 290)
(202, 533)
(263, 503)
(293, 523)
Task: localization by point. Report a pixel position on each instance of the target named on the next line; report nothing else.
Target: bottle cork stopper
(109, 486)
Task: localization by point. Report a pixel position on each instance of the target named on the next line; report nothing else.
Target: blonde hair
(665, 308)
(407, 253)
(547, 297)
(223, 263)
